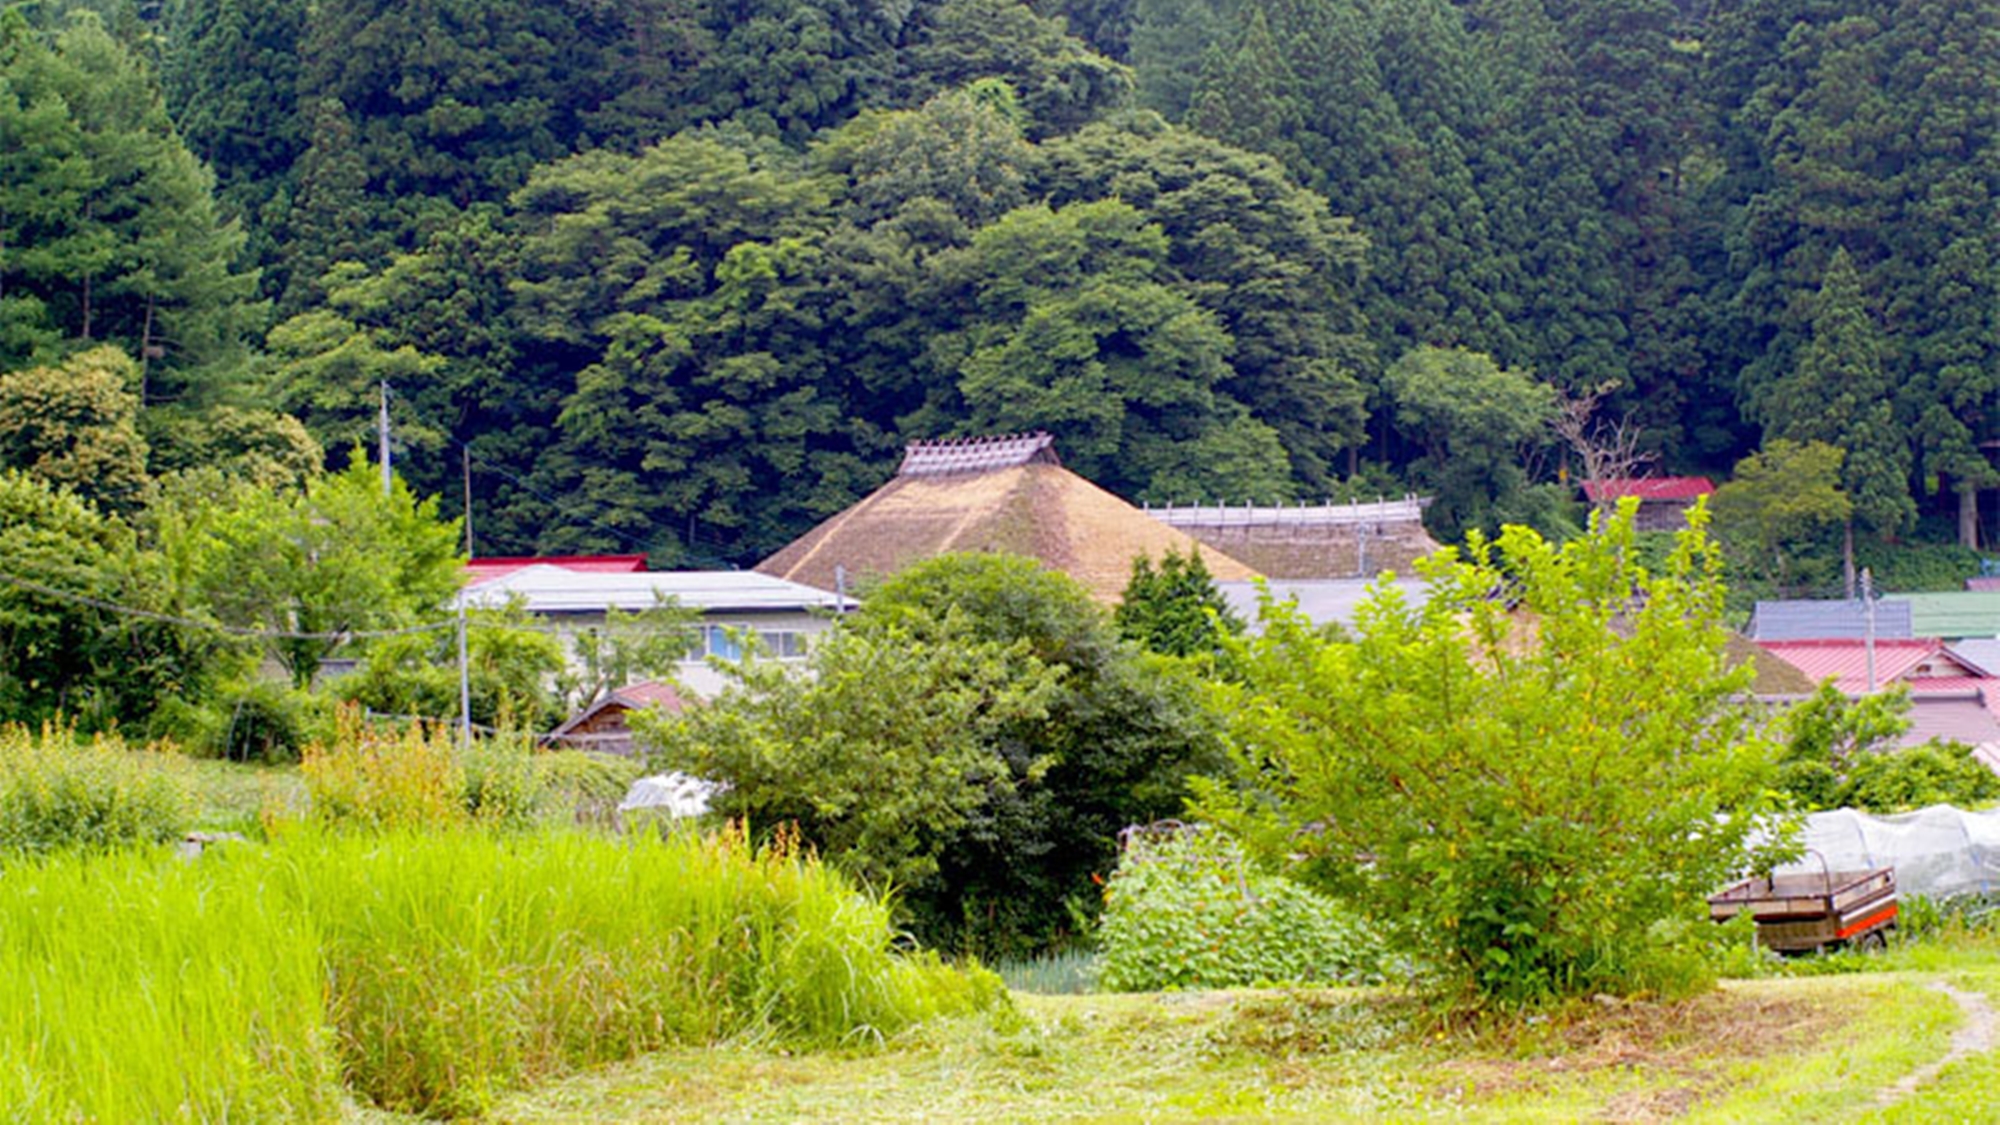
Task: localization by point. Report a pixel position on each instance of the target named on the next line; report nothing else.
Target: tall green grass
(431, 970)
(134, 988)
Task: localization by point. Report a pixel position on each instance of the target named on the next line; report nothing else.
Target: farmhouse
(1663, 501)
(732, 604)
(1004, 494)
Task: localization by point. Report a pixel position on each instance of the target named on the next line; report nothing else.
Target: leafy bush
(1530, 782)
(591, 784)
(433, 970)
(1842, 753)
(976, 735)
(374, 778)
(58, 791)
(1936, 773)
(1189, 911)
(257, 721)
(510, 670)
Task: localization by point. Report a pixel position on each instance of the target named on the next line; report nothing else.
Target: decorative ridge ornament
(977, 454)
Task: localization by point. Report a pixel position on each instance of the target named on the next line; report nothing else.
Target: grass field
(1914, 1039)
(1828, 1048)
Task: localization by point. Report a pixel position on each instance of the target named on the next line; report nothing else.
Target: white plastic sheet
(673, 794)
(1938, 852)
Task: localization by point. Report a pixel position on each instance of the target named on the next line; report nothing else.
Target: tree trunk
(1847, 558)
(1968, 516)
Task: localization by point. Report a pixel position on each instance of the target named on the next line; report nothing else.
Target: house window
(784, 644)
(726, 642)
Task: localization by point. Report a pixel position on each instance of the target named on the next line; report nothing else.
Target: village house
(1663, 501)
(733, 605)
(1006, 494)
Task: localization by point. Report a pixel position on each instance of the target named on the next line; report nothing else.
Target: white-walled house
(781, 613)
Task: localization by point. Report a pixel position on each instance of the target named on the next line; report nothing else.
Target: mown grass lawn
(1824, 1048)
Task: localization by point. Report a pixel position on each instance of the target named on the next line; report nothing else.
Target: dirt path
(1975, 1037)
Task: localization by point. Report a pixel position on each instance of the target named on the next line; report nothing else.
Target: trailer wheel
(1874, 941)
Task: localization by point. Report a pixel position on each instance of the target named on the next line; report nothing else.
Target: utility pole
(1868, 608)
(465, 466)
(382, 428)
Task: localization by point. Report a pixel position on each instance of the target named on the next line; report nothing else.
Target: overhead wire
(45, 590)
(252, 633)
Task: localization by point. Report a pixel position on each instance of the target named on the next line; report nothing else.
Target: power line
(480, 622)
(215, 626)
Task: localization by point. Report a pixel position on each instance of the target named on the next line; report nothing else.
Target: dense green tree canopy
(682, 276)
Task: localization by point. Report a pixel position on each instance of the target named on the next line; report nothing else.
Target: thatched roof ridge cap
(977, 454)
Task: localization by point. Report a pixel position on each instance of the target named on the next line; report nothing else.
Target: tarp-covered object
(673, 794)
(1937, 852)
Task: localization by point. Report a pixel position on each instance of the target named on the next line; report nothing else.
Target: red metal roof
(1846, 663)
(499, 566)
(1648, 488)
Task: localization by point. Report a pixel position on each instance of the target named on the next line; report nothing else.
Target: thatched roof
(1013, 497)
(1774, 675)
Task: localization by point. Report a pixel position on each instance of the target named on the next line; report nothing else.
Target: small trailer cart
(1805, 913)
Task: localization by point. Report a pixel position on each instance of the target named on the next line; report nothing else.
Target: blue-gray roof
(1833, 619)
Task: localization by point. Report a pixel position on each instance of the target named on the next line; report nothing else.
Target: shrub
(975, 736)
(1843, 753)
(1900, 780)
(591, 784)
(1531, 781)
(1189, 911)
(377, 778)
(58, 791)
(257, 721)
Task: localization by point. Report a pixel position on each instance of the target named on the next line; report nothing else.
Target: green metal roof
(1954, 615)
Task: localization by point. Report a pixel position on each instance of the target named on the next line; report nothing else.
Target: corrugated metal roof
(1955, 614)
(1324, 602)
(552, 589)
(1829, 619)
(1648, 488)
(1982, 653)
(1960, 716)
(1846, 661)
(976, 455)
(499, 566)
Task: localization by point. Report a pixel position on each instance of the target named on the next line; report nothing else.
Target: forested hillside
(682, 275)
